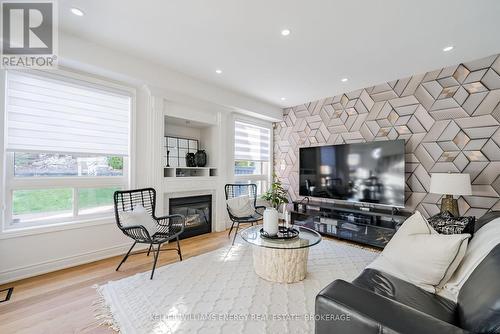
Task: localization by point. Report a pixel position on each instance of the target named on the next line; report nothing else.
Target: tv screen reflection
(364, 172)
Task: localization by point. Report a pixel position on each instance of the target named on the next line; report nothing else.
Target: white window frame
(12, 183)
(255, 177)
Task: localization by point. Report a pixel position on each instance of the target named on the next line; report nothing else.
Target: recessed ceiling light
(283, 98)
(285, 32)
(344, 79)
(448, 48)
(77, 12)
(218, 71)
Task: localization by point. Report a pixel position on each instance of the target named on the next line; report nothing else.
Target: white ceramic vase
(271, 221)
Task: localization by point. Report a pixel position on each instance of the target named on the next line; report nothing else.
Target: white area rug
(219, 292)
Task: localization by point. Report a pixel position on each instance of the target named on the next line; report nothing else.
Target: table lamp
(450, 184)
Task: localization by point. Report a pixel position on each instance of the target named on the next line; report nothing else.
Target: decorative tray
(283, 233)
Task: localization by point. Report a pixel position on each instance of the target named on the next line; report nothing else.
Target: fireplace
(198, 213)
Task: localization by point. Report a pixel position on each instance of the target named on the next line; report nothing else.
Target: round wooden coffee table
(281, 260)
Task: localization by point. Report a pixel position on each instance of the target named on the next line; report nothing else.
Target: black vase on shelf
(201, 158)
(190, 160)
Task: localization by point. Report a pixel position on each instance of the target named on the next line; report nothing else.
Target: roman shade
(251, 142)
(52, 113)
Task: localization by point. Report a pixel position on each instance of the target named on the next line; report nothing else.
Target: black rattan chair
(169, 227)
(236, 190)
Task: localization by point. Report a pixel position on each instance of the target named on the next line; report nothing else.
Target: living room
(250, 167)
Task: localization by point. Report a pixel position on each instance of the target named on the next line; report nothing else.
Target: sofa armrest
(345, 308)
(488, 217)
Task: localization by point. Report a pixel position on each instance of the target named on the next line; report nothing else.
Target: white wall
(175, 130)
(208, 138)
(26, 254)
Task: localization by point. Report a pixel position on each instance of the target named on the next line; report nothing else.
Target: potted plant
(276, 196)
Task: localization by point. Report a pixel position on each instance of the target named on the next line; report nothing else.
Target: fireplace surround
(198, 213)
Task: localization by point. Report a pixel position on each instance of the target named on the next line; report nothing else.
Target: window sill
(56, 227)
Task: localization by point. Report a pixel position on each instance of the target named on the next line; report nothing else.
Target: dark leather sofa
(376, 302)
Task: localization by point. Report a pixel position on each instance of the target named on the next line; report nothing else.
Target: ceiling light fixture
(448, 48)
(218, 71)
(285, 32)
(344, 79)
(283, 98)
(77, 12)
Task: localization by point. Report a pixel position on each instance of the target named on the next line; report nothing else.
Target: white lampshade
(450, 184)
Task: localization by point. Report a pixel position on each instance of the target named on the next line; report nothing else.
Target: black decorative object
(283, 233)
(446, 223)
(168, 157)
(201, 158)
(190, 160)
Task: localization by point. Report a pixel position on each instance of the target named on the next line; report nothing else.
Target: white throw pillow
(485, 239)
(241, 206)
(139, 216)
(419, 255)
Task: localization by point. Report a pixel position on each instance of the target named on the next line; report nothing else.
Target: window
(67, 144)
(252, 146)
(31, 205)
(50, 164)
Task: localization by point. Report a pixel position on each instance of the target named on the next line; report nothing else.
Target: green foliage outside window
(115, 162)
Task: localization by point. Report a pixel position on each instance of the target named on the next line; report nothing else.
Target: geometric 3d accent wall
(449, 118)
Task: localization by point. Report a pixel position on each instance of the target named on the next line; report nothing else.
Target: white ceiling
(367, 41)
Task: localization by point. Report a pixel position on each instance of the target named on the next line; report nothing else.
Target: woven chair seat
(172, 232)
(250, 219)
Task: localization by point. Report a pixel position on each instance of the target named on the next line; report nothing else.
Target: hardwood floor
(61, 302)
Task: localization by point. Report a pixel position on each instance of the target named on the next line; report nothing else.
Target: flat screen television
(363, 172)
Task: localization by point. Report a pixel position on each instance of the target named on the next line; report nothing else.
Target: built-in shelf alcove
(202, 134)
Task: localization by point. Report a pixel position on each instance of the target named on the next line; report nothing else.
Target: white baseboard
(16, 274)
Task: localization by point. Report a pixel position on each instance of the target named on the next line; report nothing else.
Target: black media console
(371, 226)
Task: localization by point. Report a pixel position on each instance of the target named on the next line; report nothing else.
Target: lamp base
(448, 203)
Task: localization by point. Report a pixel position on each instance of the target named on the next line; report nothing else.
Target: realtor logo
(29, 34)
